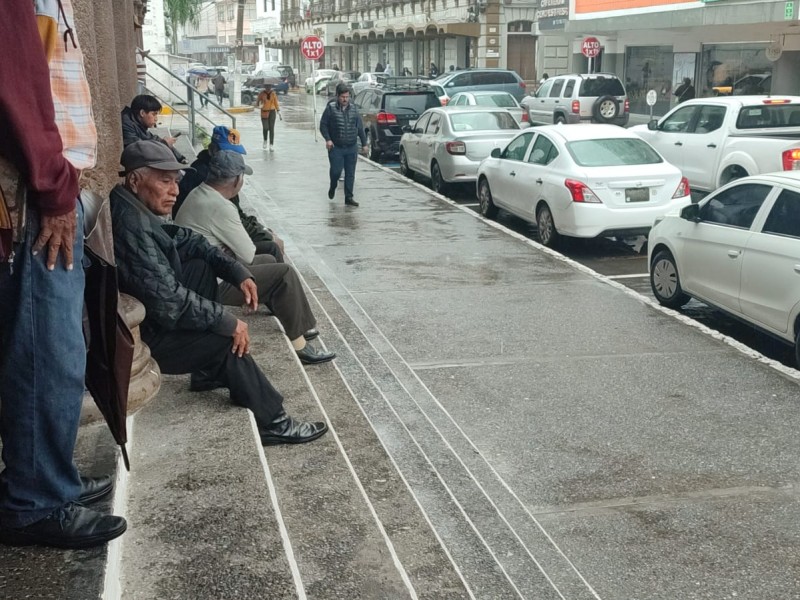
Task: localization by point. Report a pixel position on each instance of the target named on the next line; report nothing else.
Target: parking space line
(629, 276)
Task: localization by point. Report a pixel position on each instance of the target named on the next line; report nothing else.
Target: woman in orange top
(268, 101)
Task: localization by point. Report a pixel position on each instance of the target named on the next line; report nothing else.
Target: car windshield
(482, 121)
(410, 102)
(601, 86)
(501, 100)
(265, 74)
(613, 152)
(766, 116)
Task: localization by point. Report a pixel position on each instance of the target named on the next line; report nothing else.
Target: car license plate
(637, 194)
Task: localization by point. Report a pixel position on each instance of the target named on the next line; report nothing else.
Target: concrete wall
(108, 40)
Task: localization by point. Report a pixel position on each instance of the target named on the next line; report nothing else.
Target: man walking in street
(219, 87)
(342, 128)
(173, 272)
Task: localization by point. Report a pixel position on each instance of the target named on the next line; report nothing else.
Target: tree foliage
(180, 13)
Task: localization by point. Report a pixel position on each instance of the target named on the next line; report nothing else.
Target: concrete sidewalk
(584, 443)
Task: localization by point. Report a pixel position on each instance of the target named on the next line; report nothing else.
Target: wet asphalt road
(622, 260)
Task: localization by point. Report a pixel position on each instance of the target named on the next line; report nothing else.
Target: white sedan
(738, 250)
(316, 77)
(497, 99)
(586, 182)
(447, 145)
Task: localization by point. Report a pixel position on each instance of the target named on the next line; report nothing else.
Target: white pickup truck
(716, 140)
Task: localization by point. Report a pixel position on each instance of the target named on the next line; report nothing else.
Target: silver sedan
(494, 99)
(447, 144)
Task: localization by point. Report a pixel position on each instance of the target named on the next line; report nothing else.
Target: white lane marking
(287, 543)
(746, 350)
(630, 276)
(471, 204)
(112, 589)
(332, 430)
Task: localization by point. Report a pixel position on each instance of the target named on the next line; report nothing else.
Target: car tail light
(576, 107)
(385, 118)
(791, 159)
(525, 118)
(627, 106)
(456, 147)
(522, 85)
(683, 189)
(581, 192)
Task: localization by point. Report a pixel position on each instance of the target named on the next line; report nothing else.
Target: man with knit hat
(173, 271)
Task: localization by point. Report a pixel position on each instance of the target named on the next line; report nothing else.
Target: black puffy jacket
(149, 256)
(133, 131)
(342, 127)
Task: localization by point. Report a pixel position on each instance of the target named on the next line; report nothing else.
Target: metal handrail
(190, 95)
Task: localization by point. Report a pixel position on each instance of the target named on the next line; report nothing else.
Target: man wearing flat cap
(209, 211)
(165, 267)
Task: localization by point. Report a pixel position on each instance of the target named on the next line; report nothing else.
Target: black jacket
(342, 127)
(150, 254)
(133, 131)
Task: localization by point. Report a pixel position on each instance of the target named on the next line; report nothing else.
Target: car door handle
(513, 174)
(539, 181)
(679, 143)
(734, 253)
(711, 146)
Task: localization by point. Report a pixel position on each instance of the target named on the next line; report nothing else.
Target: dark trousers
(280, 289)
(180, 351)
(268, 126)
(271, 248)
(220, 94)
(343, 157)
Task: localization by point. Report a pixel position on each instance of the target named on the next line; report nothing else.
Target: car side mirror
(691, 213)
(406, 129)
(652, 125)
(496, 152)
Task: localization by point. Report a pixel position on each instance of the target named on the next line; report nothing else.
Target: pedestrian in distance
(219, 87)
(379, 68)
(270, 110)
(202, 87)
(685, 91)
(434, 71)
(43, 498)
(173, 272)
(142, 116)
(342, 128)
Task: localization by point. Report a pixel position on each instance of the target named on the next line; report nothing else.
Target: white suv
(595, 98)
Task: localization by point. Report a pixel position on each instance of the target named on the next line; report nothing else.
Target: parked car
(280, 84)
(586, 182)
(386, 109)
(737, 251)
(444, 99)
(716, 140)
(587, 98)
(448, 143)
(473, 80)
(749, 85)
(288, 73)
(497, 99)
(346, 77)
(367, 80)
(316, 76)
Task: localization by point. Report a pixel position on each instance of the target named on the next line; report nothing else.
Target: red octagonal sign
(590, 47)
(312, 47)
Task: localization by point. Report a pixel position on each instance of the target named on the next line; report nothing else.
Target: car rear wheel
(548, 234)
(797, 348)
(247, 98)
(560, 120)
(665, 281)
(404, 168)
(606, 109)
(488, 208)
(374, 152)
(438, 184)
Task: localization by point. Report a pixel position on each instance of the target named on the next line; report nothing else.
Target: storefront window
(648, 68)
(735, 70)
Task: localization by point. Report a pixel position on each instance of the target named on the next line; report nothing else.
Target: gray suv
(473, 80)
(595, 98)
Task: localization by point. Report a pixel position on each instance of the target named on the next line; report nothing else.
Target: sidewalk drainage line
(390, 546)
(112, 585)
(789, 372)
(287, 543)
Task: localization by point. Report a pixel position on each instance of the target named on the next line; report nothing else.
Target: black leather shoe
(311, 334)
(203, 382)
(310, 356)
(286, 430)
(331, 192)
(72, 526)
(350, 202)
(95, 488)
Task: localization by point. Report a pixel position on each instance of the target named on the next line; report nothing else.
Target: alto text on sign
(312, 47)
(590, 47)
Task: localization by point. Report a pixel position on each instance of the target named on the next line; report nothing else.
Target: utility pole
(237, 71)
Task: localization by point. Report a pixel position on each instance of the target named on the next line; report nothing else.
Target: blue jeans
(42, 368)
(343, 157)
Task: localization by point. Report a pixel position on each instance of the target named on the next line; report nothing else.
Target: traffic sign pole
(313, 49)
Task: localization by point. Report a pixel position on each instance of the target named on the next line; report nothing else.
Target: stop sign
(590, 47)
(312, 47)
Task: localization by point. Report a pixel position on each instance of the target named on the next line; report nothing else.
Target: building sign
(552, 14)
(595, 6)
